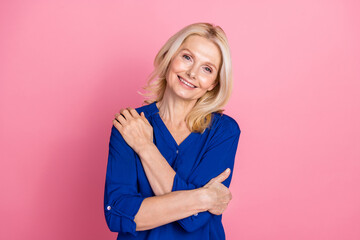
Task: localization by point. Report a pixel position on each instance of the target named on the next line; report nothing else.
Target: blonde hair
(200, 116)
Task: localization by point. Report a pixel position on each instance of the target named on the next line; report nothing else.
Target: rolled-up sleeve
(219, 155)
(121, 198)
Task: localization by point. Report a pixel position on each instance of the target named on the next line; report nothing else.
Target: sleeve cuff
(120, 214)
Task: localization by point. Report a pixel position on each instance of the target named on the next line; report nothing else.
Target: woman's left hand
(134, 128)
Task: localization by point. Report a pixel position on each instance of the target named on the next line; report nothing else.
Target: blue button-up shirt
(198, 159)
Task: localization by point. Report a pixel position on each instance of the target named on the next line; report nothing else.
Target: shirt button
(177, 151)
(195, 214)
(108, 208)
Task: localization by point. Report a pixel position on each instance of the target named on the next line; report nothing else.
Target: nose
(192, 71)
(191, 74)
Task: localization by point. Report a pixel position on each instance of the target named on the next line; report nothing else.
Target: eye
(208, 69)
(187, 57)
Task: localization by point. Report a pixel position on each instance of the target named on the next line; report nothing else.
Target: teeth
(186, 83)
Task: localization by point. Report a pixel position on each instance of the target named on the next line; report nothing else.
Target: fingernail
(228, 170)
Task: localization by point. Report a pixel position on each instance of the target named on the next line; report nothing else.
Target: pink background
(66, 67)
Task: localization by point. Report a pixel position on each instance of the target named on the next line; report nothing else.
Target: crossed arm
(169, 204)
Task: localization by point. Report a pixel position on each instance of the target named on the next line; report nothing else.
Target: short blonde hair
(200, 116)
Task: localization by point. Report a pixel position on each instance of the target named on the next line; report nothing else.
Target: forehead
(203, 49)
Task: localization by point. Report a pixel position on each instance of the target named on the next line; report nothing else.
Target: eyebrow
(193, 54)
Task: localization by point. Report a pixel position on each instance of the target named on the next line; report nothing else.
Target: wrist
(145, 149)
(205, 199)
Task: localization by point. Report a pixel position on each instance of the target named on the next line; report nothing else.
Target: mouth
(186, 82)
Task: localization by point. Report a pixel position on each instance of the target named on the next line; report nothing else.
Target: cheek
(207, 81)
(174, 67)
(177, 65)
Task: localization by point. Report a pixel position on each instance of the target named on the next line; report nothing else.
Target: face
(193, 69)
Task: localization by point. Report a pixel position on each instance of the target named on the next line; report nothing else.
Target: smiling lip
(186, 82)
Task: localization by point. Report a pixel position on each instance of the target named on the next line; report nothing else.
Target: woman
(170, 162)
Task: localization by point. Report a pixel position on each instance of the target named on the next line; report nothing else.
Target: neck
(174, 110)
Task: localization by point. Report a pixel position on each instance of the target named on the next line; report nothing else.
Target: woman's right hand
(219, 195)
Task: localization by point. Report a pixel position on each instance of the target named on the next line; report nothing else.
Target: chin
(185, 97)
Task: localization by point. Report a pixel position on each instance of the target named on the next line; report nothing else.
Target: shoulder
(149, 109)
(224, 124)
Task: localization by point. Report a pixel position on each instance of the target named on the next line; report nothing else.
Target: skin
(197, 62)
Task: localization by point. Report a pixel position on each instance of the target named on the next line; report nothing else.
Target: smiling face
(193, 69)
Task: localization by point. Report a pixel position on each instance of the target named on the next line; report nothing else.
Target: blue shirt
(198, 159)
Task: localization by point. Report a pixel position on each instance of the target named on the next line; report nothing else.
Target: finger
(117, 115)
(133, 112)
(126, 114)
(222, 176)
(117, 125)
(120, 118)
(115, 119)
(143, 116)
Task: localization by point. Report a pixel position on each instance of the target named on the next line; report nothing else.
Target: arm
(164, 179)
(158, 171)
(220, 155)
(138, 134)
(158, 210)
(121, 198)
(127, 211)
